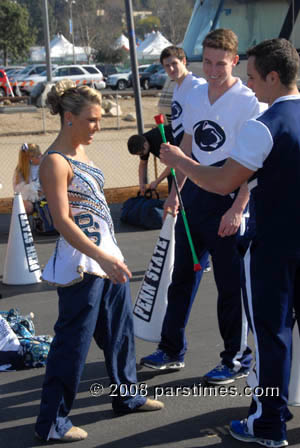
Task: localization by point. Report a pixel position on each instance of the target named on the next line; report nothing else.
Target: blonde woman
(89, 270)
(25, 179)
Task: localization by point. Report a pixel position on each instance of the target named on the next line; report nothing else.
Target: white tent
(152, 46)
(60, 49)
(122, 42)
(148, 39)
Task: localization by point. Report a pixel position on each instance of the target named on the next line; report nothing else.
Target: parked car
(75, 72)
(12, 72)
(107, 70)
(145, 75)
(118, 81)
(123, 79)
(93, 70)
(31, 71)
(141, 69)
(158, 79)
(4, 89)
(10, 69)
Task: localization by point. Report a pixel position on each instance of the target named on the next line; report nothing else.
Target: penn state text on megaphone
(151, 302)
(148, 292)
(21, 265)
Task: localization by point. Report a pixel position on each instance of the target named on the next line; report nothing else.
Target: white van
(75, 72)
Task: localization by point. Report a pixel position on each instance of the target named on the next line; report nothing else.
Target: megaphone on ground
(21, 265)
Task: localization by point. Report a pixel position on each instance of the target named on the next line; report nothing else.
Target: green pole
(197, 267)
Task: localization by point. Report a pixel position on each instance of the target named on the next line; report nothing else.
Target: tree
(149, 5)
(87, 23)
(109, 29)
(61, 17)
(145, 26)
(106, 54)
(35, 9)
(16, 36)
(174, 17)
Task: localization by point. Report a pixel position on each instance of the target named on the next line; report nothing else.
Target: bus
(252, 20)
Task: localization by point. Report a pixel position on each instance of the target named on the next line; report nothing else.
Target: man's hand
(153, 185)
(170, 155)
(230, 223)
(171, 205)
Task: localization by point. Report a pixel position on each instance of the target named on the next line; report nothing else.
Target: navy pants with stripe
(94, 307)
(204, 212)
(273, 289)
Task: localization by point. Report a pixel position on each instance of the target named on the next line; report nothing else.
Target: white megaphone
(21, 265)
(152, 299)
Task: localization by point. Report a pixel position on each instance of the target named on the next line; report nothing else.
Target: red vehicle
(4, 86)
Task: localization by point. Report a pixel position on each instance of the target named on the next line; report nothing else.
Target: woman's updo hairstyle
(65, 96)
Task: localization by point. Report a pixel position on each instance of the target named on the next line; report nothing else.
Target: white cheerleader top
(91, 213)
(30, 190)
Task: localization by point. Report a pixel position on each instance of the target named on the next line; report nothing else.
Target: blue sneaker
(239, 430)
(224, 375)
(160, 360)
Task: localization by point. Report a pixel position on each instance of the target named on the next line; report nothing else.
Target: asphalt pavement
(194, 416)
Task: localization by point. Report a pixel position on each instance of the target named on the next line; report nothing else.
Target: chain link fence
(108, 150)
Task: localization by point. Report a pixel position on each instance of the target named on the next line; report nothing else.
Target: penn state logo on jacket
(208, 135)
(176, 110)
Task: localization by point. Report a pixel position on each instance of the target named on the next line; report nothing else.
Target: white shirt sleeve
(262, 108)
(255, 110)
(198, 81)
(253, 145)
(187, 122)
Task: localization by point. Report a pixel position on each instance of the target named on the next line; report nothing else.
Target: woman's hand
(116, 269)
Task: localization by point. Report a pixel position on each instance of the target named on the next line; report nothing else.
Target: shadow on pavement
(210, 429)
(15, 290)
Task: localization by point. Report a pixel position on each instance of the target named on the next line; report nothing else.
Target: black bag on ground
(144, 211)
(42, 220)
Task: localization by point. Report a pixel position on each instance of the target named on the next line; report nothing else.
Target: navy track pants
(94, 307)
(204, 212)
(273, 290)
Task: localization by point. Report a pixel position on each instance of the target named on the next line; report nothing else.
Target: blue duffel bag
(144, 211)
(42, 219)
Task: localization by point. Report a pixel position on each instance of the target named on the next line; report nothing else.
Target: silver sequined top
(91, 213)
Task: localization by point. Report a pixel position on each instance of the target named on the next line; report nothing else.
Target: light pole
(71, 2)
(134, 66)
(47, 40)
